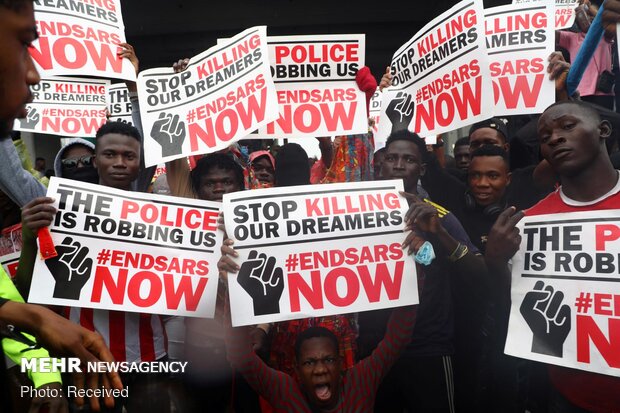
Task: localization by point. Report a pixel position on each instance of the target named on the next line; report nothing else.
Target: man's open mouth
(323, 391)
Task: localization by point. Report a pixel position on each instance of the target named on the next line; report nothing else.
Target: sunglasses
(71, 163)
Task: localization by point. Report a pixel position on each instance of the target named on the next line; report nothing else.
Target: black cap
(493, 123)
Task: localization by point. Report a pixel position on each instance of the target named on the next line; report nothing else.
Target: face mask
(87, 174)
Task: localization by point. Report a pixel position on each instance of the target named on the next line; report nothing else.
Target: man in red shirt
(323, 385)
(572, 139)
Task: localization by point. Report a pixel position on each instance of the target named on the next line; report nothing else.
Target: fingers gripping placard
(129, 251)
(566, 291)
(312, 251)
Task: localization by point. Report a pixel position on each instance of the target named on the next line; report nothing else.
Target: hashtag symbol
(418, 96)
(291, 262)
(191, 116)
(45, 112)
(103, 257)
(583, 302)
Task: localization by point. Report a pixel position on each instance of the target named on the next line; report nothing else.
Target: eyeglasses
(72, 163)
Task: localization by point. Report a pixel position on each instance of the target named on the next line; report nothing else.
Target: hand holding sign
(548, 318)
(31, 120)
(263, 281)
(169, 132)
(400, 111)
(421, 215)
(558, 70)
(71, 269)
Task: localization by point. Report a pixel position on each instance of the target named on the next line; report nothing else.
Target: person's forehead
(488, 163)
(317, 346)
(262, 160)
(218, 173)
(462, 148)
(118, 142)
(558, 111)
(402, 147)
(486, 133)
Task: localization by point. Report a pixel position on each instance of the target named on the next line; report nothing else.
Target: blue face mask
(426, 254)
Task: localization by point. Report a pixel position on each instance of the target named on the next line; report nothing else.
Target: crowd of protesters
(444, 355)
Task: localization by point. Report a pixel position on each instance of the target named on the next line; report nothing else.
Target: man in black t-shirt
(421, 380)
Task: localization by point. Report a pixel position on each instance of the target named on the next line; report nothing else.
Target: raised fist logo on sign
(400, 111)
(169, 132)
(31, 120)
(548, 319)
(263, 281)
(71, 269)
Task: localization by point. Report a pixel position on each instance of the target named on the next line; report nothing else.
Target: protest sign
(66, 107)
(80, 38)
(9, 263)
(566, 291)
(10, 248)
(564, 11)
(308, 251)
(119, 104)
(224, 94)
(519, 41)
(374, 110)
(441, 79)
(130, 251)
(315, 82)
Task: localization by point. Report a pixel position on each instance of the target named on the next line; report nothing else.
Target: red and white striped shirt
(132, 337)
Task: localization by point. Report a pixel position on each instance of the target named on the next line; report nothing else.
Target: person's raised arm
(145, 177)
(449, 240)
(15, 181)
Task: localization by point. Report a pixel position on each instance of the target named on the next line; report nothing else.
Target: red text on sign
(71, 53)
(605, 233)
(562, 17)
(173, 288)
(308, 118)
(72, 125)
(588, 331)
(170, 216)
(514, 90)
(349, 256)
(464, 101)
(321, 289)
(228, 123)
(311, 53)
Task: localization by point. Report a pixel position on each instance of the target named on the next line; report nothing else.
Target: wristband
(459, 252)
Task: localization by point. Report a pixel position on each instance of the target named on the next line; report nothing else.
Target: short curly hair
(121, 128)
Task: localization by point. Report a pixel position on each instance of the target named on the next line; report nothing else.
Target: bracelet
(459, 252)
